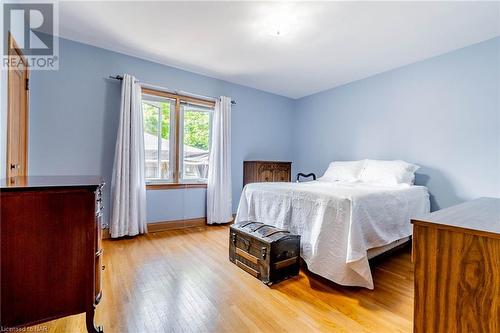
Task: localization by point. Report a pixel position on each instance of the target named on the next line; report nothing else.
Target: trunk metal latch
(263, 252)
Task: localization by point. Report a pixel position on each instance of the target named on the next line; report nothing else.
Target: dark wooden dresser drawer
(50, 249)
(266, 171)
(99, 267)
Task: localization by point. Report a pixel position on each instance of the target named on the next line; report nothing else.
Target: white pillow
(388, 172)
(347, 171)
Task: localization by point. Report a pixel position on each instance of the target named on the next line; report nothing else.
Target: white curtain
(128, 186)
(219, 197)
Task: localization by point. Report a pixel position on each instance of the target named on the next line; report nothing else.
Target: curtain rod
(180, 92)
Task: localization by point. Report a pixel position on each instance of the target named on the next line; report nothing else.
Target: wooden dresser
(50, 249)
(266, 171)
(456, 252)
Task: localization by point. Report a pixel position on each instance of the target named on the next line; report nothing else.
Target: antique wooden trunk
(268, 253)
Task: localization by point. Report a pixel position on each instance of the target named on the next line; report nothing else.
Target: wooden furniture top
(258, 161)
(479, 217)
(24, 182)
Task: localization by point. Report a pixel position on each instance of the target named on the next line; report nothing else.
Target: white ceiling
(323, 44)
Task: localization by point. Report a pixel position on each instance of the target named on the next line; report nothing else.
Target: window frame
(171, 147)
(176, 181)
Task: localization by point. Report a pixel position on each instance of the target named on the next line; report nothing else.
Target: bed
(339, 222)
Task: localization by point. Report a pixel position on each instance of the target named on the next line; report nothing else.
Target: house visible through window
(177, 131)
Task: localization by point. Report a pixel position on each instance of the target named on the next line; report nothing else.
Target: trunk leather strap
(275, 232)
(260, 226)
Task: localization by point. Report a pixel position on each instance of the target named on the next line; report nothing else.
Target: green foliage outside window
(196, 124)
(150, 114)
(196, 129)
(150, 118)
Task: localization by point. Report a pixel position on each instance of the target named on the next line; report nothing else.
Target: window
(196, 132)
(177, 132)
(157, 116)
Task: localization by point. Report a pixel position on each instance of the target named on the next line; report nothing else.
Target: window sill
(173, 186)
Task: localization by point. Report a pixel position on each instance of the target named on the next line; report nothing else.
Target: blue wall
(75, 110)
(442, 113)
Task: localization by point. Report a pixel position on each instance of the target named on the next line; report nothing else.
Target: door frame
(14, 50)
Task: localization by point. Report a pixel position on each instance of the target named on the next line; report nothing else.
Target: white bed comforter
(338, 222)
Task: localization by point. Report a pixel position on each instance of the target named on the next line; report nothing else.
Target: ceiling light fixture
(278, 20)
(278, 31)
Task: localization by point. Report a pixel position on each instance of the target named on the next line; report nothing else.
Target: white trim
(181, 144)
(158, 142)
(171, 102)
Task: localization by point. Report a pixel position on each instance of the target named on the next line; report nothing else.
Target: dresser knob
(103, 267)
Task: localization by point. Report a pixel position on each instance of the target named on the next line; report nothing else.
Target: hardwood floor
(182, 281)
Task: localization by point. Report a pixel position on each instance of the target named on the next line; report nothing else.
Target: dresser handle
(98, 253)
